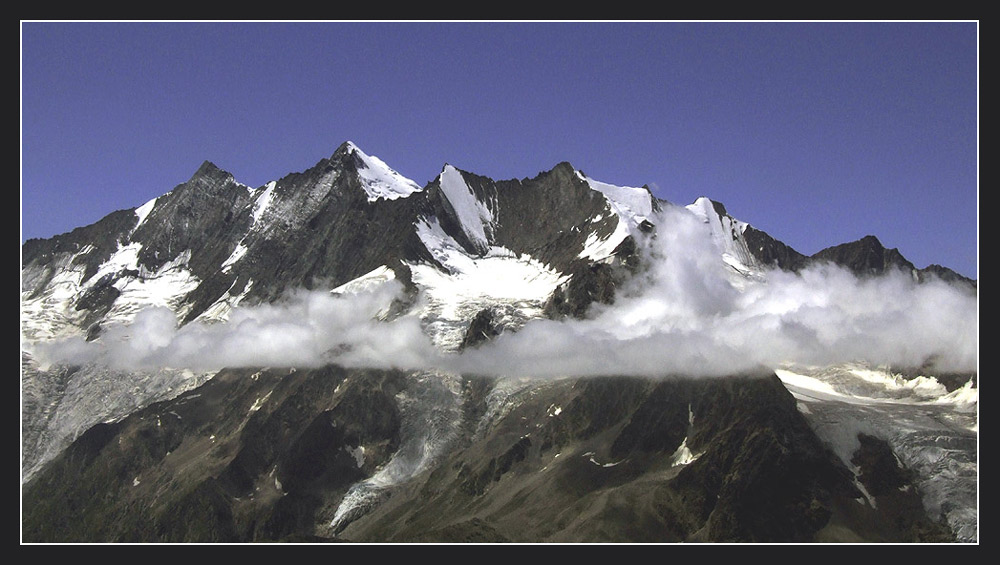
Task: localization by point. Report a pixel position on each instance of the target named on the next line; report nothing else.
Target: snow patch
(358, 453)
(630, 205)
(924, 387)
(257, 404)
(166, 287)
(599, 464)
(263, 202)
(142, 212)
(727, 235)
(51, 314)
(380, 181)
(965, 399)
(235, 256)
(367, 281)
(472, 214)
(598, 249)
(804, 388)
(221, 308)
(864, 491)
(859, 385)
(683, 455)
(590, 455)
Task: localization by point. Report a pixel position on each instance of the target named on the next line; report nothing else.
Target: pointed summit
(565, 166)
(378, 179)
(208, 170)
(866, 256)
(345, 148)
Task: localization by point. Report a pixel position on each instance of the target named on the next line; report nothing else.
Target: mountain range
(345, 355)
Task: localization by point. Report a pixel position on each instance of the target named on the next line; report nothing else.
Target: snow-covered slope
(378, 179)
(474, 217)
(516, 287)
(50, 310)
(631, 206)
(727, 233)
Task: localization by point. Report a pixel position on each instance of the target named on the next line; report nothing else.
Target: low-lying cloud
(689, 313)
(305, 329)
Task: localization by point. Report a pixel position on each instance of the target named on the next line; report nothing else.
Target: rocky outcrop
(589, 283)
(771, 252)
(484, 327)
(865, 256)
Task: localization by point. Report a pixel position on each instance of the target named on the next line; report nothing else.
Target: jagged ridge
(212, 243)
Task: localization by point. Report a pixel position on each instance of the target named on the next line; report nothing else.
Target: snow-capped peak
(631, 205)
(727, 233)
(377, 178)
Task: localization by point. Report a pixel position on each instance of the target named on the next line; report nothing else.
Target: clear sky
(817, 133)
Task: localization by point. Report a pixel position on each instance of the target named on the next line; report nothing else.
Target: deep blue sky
(818, 133)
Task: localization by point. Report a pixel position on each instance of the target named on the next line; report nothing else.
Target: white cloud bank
(688, 314)
(691, 314)
(306, 329)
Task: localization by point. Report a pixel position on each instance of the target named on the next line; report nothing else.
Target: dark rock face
(321, 230)
(102, 236)
(198, 214)
(543, 216)
(589, 283)
(760, 474)
(249, 455)
(269, 455)
(880, 471)
(482, 328)
(98, 299)
(865, 256)
(891, 485)
(947, 275)
(767, 477)
(771, 252)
